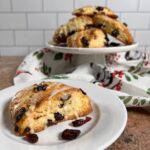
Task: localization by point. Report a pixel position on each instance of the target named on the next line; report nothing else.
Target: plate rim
(102, 50)
(124, 111)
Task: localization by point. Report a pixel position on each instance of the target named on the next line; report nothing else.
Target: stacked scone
(90, 28)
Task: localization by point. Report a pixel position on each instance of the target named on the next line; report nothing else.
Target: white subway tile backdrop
(26, 25)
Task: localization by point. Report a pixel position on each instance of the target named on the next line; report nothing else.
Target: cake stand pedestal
(95, 58)
(96, 55)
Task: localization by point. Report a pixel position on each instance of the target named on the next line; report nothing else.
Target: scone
(114, 28)
(90, 38)
(93, 10)
(72, 26)
(41, 105)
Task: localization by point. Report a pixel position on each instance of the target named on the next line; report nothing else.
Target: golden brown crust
(89, 38)
(72, 26)
(36, 108)
(93, 10)
(114, 28)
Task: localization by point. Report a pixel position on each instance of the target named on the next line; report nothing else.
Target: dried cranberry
(27, 130)
(50, 122)
(61, 105)
(125, 24)
(70, 134)
(89, 26)
(114, 17)
(61, 38)
(115, 33)
(84, 42)
(20, 114)
(71, 32)
(80, 122)
(99, 8)
(16, 129)
(87, 119)
(31, 138)
(83, 92)
(95, 12)
(100, 25)
(58, 116)
(41, 87)
(44, 87)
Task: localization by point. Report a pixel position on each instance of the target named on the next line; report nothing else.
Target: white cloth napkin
(128, 73)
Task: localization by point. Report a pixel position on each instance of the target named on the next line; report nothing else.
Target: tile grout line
(27, 25)
(138, 5)
(28, 50)
(14, 37)
(41, 29)
(73, 4)
(54, 12)
(42, 6)
(44, 39)
(106, 2)
(11, 5)
(57, 19)
(29, 29)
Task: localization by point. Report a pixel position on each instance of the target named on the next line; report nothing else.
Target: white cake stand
(96, 55)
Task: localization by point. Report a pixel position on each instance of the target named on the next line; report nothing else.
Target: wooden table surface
(136, 135)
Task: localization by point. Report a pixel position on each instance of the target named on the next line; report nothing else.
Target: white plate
(103, 50)
(108, 122)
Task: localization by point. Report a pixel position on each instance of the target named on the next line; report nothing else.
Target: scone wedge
(72, 26)
(41, 105)
(89, 38)
(93, 10)
(113, 27)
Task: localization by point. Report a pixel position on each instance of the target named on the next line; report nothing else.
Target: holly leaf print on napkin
(58, 56)
(148, 91)
(46, 69)
(127, 78)
(38, 54)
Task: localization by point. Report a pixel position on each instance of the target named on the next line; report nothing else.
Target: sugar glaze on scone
(36, 107)
(89, 38)
(113, 27)
(93, 10)
(72, 26)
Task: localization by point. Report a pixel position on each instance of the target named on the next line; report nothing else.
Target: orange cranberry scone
(93, 10)
(89, 38)
(72, 26)
(41, 105)
(113, 27)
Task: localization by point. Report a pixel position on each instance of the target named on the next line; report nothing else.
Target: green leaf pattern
(127, 77)
(134, 101)
(58, 56)
(46, 69)
(39, 54)
(148, 91)
(135, 76)
(127, 100)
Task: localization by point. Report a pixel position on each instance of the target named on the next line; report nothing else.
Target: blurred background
(28, 24)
